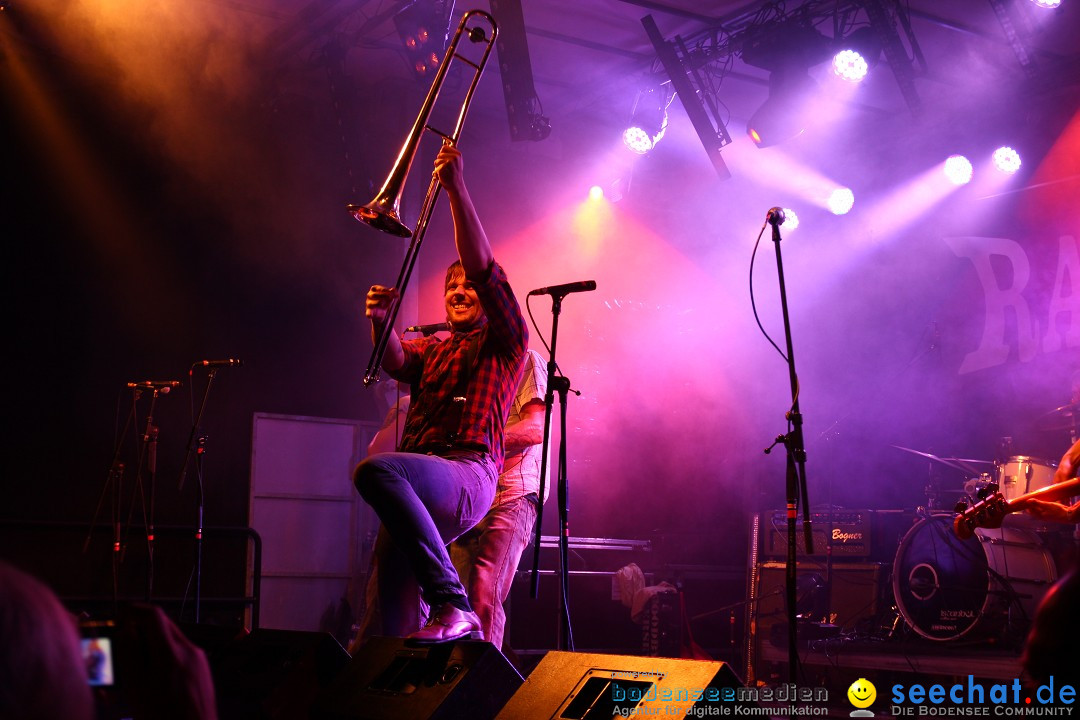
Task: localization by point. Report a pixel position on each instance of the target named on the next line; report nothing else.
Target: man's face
(462, 306)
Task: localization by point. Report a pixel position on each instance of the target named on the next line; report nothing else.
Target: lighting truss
(698, 63)
(711, 130)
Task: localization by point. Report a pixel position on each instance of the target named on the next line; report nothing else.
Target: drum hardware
(895, 620)
(972, 486)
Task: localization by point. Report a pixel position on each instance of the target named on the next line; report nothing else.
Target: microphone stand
(149, 445)
(795, 475)
(562, 385)
(113, 488)
(197, 445)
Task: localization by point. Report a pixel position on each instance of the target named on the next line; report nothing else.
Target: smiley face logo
(862, 693)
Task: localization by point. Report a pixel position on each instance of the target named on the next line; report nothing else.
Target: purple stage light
(791, 220)
(850, 65)
(637, 140)
(958, 169)
(841, 200)
(1006, 160)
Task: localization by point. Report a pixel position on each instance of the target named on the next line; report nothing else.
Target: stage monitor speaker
(588, 686)
(388, 680)
(273, 674)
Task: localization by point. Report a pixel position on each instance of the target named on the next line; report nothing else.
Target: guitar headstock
(988, 512)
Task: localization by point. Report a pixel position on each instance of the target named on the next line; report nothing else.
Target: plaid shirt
(521, 470)
(437, 371)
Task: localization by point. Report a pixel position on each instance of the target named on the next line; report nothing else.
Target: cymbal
(917, 452)
(1060, 418)
(955, 463)
(1066, 410)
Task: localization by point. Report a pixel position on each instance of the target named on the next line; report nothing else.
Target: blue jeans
(424, 502)
(487, 557)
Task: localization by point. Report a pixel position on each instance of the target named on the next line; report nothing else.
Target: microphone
(162, 386)
(227, 362)
(565, 288)
(776, 216)
(429, 329)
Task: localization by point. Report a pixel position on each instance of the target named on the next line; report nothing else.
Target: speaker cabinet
(853, 593)
(387, 680)
(274, 673)
(588, 686)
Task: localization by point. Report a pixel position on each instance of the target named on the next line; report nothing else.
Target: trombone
(383, 213)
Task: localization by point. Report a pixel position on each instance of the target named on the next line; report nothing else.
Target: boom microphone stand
(795, 485)
(562, 385)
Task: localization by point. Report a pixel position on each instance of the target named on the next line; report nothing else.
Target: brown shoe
(446, 624)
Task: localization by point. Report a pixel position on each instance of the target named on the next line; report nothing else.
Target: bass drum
(947, 588)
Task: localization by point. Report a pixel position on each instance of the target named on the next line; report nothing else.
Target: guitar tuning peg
(961, 506)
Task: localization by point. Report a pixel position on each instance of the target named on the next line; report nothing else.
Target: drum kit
(987, 586)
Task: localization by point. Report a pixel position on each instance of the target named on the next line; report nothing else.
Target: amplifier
(849, 531)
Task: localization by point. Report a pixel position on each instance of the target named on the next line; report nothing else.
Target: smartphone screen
(98, 656)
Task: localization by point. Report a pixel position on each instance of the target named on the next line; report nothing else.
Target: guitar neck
(1050, 493)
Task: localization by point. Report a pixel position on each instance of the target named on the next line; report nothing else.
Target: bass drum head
(947, 588)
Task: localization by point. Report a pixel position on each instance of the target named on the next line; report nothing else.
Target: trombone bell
(381, 214)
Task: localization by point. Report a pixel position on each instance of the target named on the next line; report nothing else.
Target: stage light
(859, 52)
(783, 115)
(1050, 4)
(840, 201)
(596, 193)
(787, 50)
(849, 65)
(1006, 160)
(648, 121)
(791, 220)
(958, 169)
(424, 27)
(637, 140)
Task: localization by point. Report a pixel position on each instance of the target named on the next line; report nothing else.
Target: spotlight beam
(713, 138)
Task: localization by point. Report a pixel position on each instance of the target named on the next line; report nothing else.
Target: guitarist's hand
(1056, 512)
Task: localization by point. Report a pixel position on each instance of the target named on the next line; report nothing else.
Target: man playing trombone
(443, 480)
